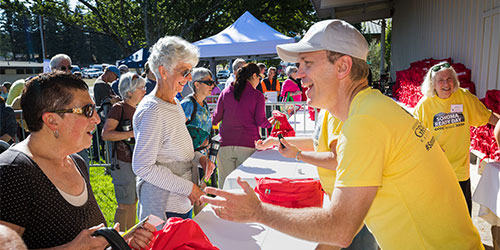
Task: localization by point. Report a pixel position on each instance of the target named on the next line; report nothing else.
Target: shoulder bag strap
(195, 109)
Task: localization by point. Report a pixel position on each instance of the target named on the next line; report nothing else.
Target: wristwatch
(297, 155)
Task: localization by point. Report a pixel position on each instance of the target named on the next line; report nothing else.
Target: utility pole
(42, 36)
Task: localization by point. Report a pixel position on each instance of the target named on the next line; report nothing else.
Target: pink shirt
(290, 86)
(240, 119)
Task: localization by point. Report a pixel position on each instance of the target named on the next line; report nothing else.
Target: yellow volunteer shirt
(449, 120)
(419, 203)
(325, 133)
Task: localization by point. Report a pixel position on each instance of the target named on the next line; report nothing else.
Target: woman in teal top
(202, 85)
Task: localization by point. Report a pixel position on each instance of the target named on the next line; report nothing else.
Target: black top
(30, 200)
(8, 123)
(101, 91)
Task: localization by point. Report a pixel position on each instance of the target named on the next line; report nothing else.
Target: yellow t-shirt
(449, 120)
(419, 203)
(325, 133)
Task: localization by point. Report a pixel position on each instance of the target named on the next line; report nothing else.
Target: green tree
(120, 27)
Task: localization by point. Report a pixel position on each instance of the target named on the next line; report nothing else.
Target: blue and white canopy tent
(136, 60)
(247, 38)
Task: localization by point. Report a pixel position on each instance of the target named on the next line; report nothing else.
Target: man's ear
(344, 66)
(51, 120)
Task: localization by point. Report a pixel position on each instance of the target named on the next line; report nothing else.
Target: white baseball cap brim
(290, 52)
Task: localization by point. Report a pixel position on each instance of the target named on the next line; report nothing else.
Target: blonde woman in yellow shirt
(448, 111)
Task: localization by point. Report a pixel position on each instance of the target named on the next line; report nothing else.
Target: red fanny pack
(292, 193)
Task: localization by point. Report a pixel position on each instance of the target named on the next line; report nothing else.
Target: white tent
(247, 36)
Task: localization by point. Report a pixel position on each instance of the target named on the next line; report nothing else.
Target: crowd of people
(395, 180)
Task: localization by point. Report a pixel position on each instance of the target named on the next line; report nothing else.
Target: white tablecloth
(301, 123)
(245, 236)
(269, 163)
(487, 194)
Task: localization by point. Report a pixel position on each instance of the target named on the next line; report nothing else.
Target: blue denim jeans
(364, 240)
(187, 215)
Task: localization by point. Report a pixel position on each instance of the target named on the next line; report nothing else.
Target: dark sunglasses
(87, 110)
(440, 66)
(63, 68)
(208, 82)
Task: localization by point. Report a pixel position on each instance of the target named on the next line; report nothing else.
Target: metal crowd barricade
(103, 148)
(281, 106)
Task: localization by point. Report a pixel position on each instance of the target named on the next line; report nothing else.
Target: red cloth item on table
(492, 100)
(312, 113)
(181, 234)
(483, 140)
(292, 193)
(281, 125)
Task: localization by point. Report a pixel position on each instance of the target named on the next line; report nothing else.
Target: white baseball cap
(334, 35)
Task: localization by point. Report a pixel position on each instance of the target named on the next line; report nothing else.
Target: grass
(104, 193)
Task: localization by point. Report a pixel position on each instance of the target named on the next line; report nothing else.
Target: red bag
(181, 234)
(292, 193)
(281, 125)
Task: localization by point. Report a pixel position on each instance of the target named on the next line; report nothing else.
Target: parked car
(91, 73)
(75, 68)
(223, 74)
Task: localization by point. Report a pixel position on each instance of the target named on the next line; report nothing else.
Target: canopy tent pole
(213, 68)
(382, 48)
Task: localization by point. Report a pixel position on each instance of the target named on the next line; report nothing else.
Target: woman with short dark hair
(241, 108)
(45, 190)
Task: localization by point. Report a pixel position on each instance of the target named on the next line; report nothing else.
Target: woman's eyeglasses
(87, 110)
(208, 82)
(440, 66)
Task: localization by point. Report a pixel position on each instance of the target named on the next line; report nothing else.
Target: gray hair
(57, 59)
(169, 51)
(427, 87)
(290, 69)
(198, 75)
(129, 82)
(237, 64)
(272, 68)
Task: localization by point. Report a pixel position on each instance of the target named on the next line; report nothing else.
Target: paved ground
(482, 226)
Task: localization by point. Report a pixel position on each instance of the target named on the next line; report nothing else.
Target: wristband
(297, 155)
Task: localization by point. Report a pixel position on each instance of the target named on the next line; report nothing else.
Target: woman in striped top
(164, 155)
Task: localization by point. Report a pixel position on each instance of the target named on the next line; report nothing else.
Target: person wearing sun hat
(390, 172)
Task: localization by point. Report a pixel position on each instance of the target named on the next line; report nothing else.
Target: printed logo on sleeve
(423, 135)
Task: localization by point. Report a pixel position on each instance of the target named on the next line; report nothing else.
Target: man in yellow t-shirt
(323, 142)
(391, 173)
(448, 112)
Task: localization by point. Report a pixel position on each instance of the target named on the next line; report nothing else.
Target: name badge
(457, 108)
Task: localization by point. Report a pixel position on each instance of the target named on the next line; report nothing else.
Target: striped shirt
(162, 141)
